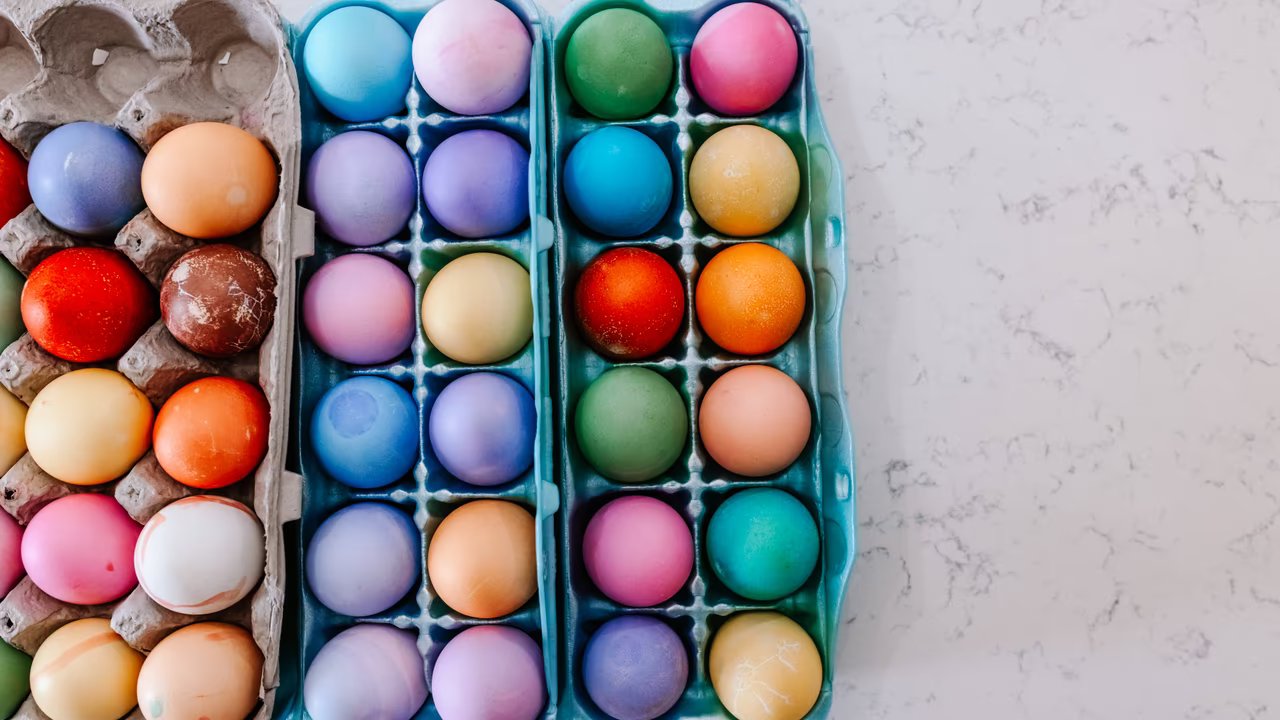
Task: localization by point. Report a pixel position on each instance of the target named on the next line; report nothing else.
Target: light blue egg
(359, 64)
(365, 432)
(618, 182)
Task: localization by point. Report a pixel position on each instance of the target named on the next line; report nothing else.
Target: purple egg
(362, 188)
(360, 309)
(476, 184)
(489, 671)
(482, 428)
(635, 667)
(367, 671)
(363, 559)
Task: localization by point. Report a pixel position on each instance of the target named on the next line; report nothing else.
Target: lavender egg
(476, 184)
(482, 428)
(489, 671)
(363, 559)
(472, 56)
(635, 668)
(362, 188)
(367, 671)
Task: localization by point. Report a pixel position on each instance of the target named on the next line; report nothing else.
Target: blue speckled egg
(482, 428)
(365, 432)
(618, 182)
(86, 178)
(358, 62)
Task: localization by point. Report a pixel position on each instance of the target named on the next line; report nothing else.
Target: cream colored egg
(85, 671)
(13, 436)
(765, 667)
(207, 670)
(478, 309)
(89, 427)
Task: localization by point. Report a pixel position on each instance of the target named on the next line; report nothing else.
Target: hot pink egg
(10, 553)
(79, 549)
(743, 59)
(638, 551)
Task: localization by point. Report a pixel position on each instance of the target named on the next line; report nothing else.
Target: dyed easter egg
(15, 678)
(213, 432)
(754, 421)
(635, 667)
(85, 671)
(763, 543)
(618, 64)
(11, 570)
(85, 178)
(364, 559)
(14, 195)
(743, 59)
(11, 282)
(219, 300)
(618, 182)
(761, 655)
(638, 551)
(87, 304)
(79, 549)
(472, 56)
(362, 187)
(200, 555)
(489, 671)
(366, 671)
(744, 181)
(750, 299)
(357, 62)
(13, 437)
(478, 309)
(482, 428)
(359, 309)
(631, 424)
(476, 184)
(209, 180)
(365, 432)
(89, 427)
(629, 303)
(208, 670)
(482, 561)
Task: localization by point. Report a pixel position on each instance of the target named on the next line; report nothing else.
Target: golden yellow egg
(208, 670)
(744, 181)
(89, 427)
(13, 438)
(765, 667)
(85, 671)
(478, 309)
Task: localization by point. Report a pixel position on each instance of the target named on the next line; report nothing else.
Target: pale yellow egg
(89, 427)
(744, 181)
(13, 438)
(478, 309)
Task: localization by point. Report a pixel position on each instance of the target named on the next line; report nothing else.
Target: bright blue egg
(618, 182)
(482, 428)
(358, 63)
(365, 432)
(86, 178)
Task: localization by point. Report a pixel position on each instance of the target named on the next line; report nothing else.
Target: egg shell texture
(638, 551)
(85, 671)
(357, 62)
(84, 178)
(629, 303)
(209, 671)
(743, 59)
(362, 188)
(489, 671)
(366, 671)
(472, 56)
(618, 182)
(79, 549)
(635, 667)
(363, 559)
(744, 181)
(15, 678)
(765, 667)
(478, 309)
(219, 300)
(360, 309)
(213, 432)
(482, 560)
(754, 420)
(750, 299)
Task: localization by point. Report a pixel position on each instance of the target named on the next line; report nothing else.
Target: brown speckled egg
(219, 300)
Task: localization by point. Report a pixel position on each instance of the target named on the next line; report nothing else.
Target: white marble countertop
(1061, 355)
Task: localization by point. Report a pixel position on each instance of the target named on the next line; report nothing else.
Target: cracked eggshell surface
(219, 300)
(765, 667)
(200, 555)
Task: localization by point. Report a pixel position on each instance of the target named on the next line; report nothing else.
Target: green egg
(618, 64)
(15, 679)
(11, 282)
(763, 544)
(631, 424)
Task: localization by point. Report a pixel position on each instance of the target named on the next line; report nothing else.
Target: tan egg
(208, 670)
(85, 671)
(209, 180)
(478, 309)
(754, 420)
(481, 560)
(89, 426)
(765, 667)
(744, 181)
(13, 437)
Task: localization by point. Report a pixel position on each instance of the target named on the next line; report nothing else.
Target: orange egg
(209, 180)
(750, 299)
(207, 670)
(482, 561)
(213, 432)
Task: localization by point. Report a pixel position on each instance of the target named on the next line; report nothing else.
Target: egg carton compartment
(813, 238)
(429, 493)
(147, 67)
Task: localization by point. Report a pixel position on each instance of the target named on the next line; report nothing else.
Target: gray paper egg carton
(147, 67)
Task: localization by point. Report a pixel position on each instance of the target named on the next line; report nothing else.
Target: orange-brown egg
(208, 670)
(750, 299)
(209, 180)
(481, 560)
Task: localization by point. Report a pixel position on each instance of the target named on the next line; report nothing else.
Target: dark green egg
(15, 679)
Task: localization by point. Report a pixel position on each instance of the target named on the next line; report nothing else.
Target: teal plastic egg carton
(429, 494)
(822, 478)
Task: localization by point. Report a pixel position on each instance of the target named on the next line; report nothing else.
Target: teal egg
(15, 673)
(631, 425)
(11, 282)
(763, 544)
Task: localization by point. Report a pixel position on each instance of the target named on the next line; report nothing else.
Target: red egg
(87, 304)
(14, 196)
(629, 303)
